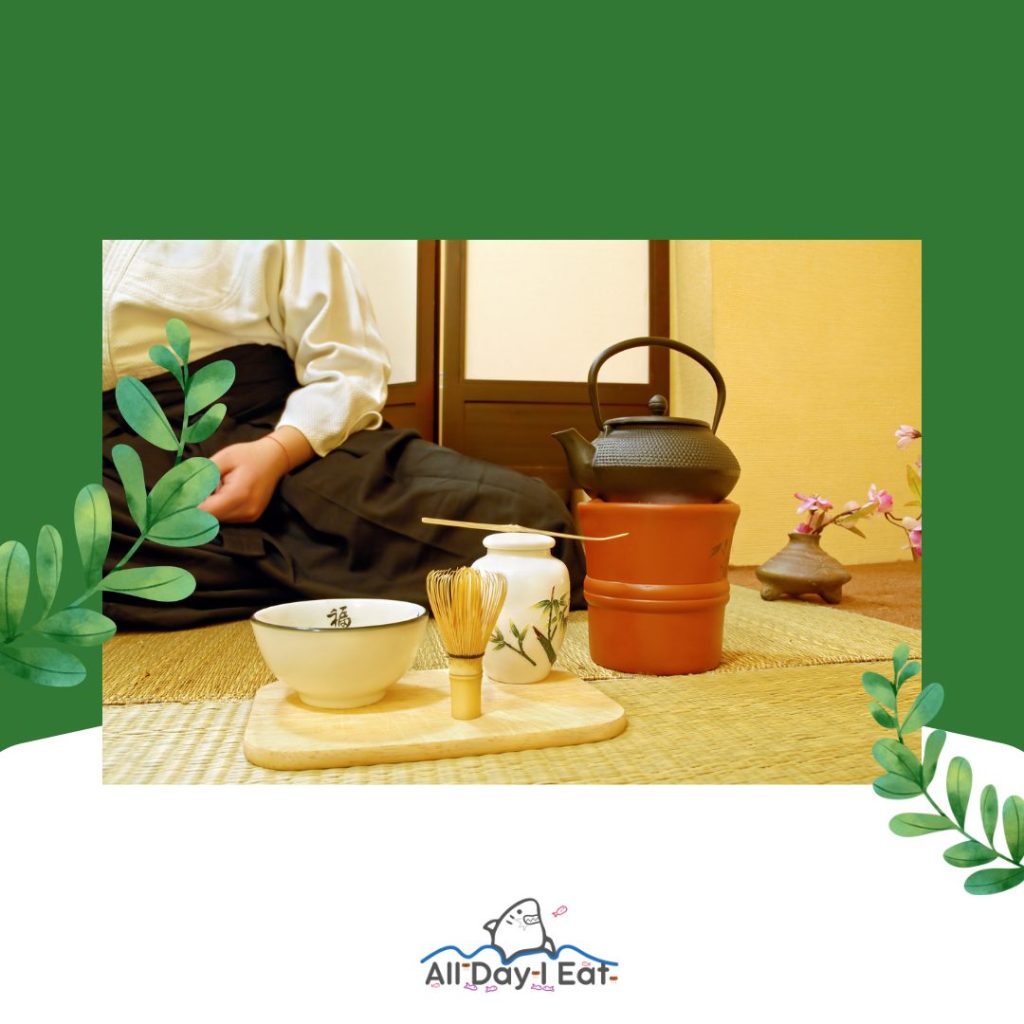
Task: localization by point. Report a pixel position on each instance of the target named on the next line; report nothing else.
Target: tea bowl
(340, 652)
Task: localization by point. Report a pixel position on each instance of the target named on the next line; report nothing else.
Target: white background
(722, 903)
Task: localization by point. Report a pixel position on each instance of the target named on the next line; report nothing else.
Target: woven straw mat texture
(222, 662)
(783, 726)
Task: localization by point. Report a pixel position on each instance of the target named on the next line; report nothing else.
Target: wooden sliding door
(414, 403)
(522, 323)
(401, 278)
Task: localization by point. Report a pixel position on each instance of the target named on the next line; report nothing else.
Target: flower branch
(821, 513)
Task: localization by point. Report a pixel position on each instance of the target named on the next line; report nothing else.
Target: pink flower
(809, 503)
(884, 498)
(915, 541)
(906, 434)
(913, 528)
(802, 528)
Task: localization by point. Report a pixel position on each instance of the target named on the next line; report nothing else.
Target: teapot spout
(579, 453)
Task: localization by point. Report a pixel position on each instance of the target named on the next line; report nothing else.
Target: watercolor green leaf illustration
(14, 576)
(906, 778)
(142, 412)
(167, 514)
(49, 565)
(207, 424)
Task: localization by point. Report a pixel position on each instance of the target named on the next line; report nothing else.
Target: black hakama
(343, 525)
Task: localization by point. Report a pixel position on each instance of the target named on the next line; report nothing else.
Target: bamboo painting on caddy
(557, 612)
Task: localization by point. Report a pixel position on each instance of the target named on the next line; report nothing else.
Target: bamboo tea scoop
(513, 528)
(465, 603)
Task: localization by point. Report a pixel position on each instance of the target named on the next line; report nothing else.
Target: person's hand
(249, 473)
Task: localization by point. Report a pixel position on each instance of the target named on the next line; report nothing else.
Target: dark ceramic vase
(801, 567)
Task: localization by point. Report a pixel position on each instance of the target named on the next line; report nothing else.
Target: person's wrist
(282, 460)
(296, 447)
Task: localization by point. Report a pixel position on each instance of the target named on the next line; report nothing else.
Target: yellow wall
(819, 343)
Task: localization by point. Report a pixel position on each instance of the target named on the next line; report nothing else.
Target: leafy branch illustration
(499, 641)
(167, 515)
(907, 777)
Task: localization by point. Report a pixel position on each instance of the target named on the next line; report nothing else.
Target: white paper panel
(542, 310)
(388, 270)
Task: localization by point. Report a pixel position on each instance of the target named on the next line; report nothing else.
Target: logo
(520, 956)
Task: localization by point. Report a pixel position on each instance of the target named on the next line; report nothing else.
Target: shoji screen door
(401, 279)
(523, 321)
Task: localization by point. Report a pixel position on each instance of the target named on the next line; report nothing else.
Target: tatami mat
(222, 662)
(782, 725)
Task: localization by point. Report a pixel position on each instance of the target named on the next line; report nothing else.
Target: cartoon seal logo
(519, 930)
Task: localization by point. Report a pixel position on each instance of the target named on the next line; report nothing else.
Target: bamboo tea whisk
(465, 603)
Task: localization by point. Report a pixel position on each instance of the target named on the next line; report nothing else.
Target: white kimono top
(303, 296)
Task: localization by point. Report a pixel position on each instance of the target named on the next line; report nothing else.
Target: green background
(795, 123)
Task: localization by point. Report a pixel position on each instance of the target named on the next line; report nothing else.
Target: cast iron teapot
(657, 458)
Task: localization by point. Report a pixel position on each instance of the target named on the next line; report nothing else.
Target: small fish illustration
(435, 984)
(538, 988)
(470, 986)
(587, 963)
(549, 988)
(491, 988)
(560, 911)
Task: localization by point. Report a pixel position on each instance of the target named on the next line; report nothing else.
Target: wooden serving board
(413, 723)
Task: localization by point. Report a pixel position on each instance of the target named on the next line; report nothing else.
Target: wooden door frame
(417, 399)
(457, 391)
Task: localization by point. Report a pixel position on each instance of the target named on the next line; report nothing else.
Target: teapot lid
(658, 406)
(654, 421)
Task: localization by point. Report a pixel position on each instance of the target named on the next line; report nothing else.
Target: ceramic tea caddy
(532, 622)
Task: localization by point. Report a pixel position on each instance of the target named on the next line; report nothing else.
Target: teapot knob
(658, 405)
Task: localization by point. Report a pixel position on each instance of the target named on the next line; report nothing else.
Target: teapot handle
(622, 346)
